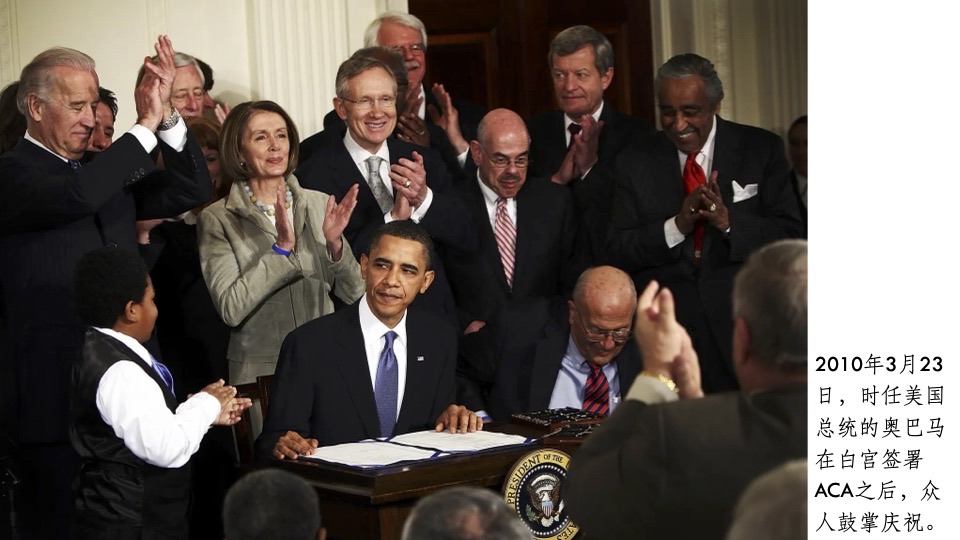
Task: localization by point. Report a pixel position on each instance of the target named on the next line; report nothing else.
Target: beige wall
(289, 50)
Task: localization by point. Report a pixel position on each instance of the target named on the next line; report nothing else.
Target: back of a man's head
(770, 297)
(271, 504)
(773, 506)
(464, 513)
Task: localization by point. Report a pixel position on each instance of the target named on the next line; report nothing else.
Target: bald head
(501, 152)
(604, 301)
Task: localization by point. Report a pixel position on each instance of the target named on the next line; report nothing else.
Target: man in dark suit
(576, 144)
(694, 201)
(330, 386)
(525, 231)
(398, 180)
(553, 358)
(656, 458)
(55, 205)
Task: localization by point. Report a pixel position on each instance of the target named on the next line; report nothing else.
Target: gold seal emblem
(534, 489)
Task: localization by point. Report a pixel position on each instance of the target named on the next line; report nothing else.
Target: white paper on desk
(369, 453)
(445, 441)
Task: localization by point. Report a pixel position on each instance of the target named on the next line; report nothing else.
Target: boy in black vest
(135, 442)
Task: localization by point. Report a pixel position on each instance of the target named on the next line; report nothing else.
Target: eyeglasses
(363, 104)
(620, 335)
(502, 162)
(415, 49)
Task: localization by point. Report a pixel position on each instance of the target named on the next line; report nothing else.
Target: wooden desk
(373, 504)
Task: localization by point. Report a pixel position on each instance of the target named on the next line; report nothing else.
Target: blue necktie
(385, 389)
(74, 164)
(164, 374)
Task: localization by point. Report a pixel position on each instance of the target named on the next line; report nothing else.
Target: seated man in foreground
(369, 370)
(655, 461)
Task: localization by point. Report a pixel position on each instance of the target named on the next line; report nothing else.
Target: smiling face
(63, 122)
(369, 125)
(577, 83)
(102, 136)
(395, 272)
(265, 146)
(686, 114)
(400, 38)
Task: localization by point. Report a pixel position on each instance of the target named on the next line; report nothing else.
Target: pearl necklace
(266, 209)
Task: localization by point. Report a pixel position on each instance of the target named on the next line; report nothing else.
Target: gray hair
(774, 505)
(183, 59)
(685, 65)
(399, 17)
(462, 513)
(354, 66)
(568, 41)
(271, 504)
(38, 77)
(770, 294)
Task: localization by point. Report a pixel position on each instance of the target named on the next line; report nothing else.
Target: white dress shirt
(490, 200)
(572, 378)
(360, 156)
(132, 403)
(373, 343)
(705, 159)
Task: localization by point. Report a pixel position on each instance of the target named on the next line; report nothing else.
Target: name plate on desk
(533, 489)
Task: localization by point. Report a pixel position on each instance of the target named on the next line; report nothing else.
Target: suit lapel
(350, 359)
(546, 363)
(527, 233)
(419, 361)
(237, 203)
(488, 242)
(726, 161)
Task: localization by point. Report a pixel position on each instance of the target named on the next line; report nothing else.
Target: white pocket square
(743, 193)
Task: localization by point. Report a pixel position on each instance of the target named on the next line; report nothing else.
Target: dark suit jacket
(531, 340)
(547, 259)
(592, 194)
(322, 387)
(643, 472)
(649, 190)
(332, 171)
(50, 215)
(469, 115)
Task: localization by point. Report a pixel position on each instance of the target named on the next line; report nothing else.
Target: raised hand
(659, 336)
(586, 144)
(409, 179)
(448, 118)
(164, 70)
(336, 218)
(712, 208)
(150, 110)
(286, 239)
(412, 128)
(221, 110)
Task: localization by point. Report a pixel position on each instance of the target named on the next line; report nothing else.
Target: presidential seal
(534, 490)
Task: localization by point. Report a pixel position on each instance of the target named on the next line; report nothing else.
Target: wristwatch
(169, 121)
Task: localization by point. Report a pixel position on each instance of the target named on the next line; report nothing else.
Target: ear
(338, 105)
(741, 342)
(131, 312)
(364, 263)
(34, 107)
(475, 152)
(607, 78)
(571, 307)
(427, 280)
(716, 110)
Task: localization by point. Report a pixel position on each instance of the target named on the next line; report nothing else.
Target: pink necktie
(506, 235)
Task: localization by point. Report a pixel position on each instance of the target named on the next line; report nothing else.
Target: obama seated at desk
(373, 369)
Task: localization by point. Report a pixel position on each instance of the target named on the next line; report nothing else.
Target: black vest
(118, 495)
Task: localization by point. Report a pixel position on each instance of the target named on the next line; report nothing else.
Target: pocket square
(743, 193)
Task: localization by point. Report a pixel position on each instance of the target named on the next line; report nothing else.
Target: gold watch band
(662, 378)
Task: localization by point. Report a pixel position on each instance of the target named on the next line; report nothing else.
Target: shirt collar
(596, 116)
(30, 138)
(422, 112)
(489, 195)
(360, 154)
(371, 326)
(129, 341)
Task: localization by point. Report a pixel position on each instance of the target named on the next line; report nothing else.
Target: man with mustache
(694, 201)
(526, 233)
